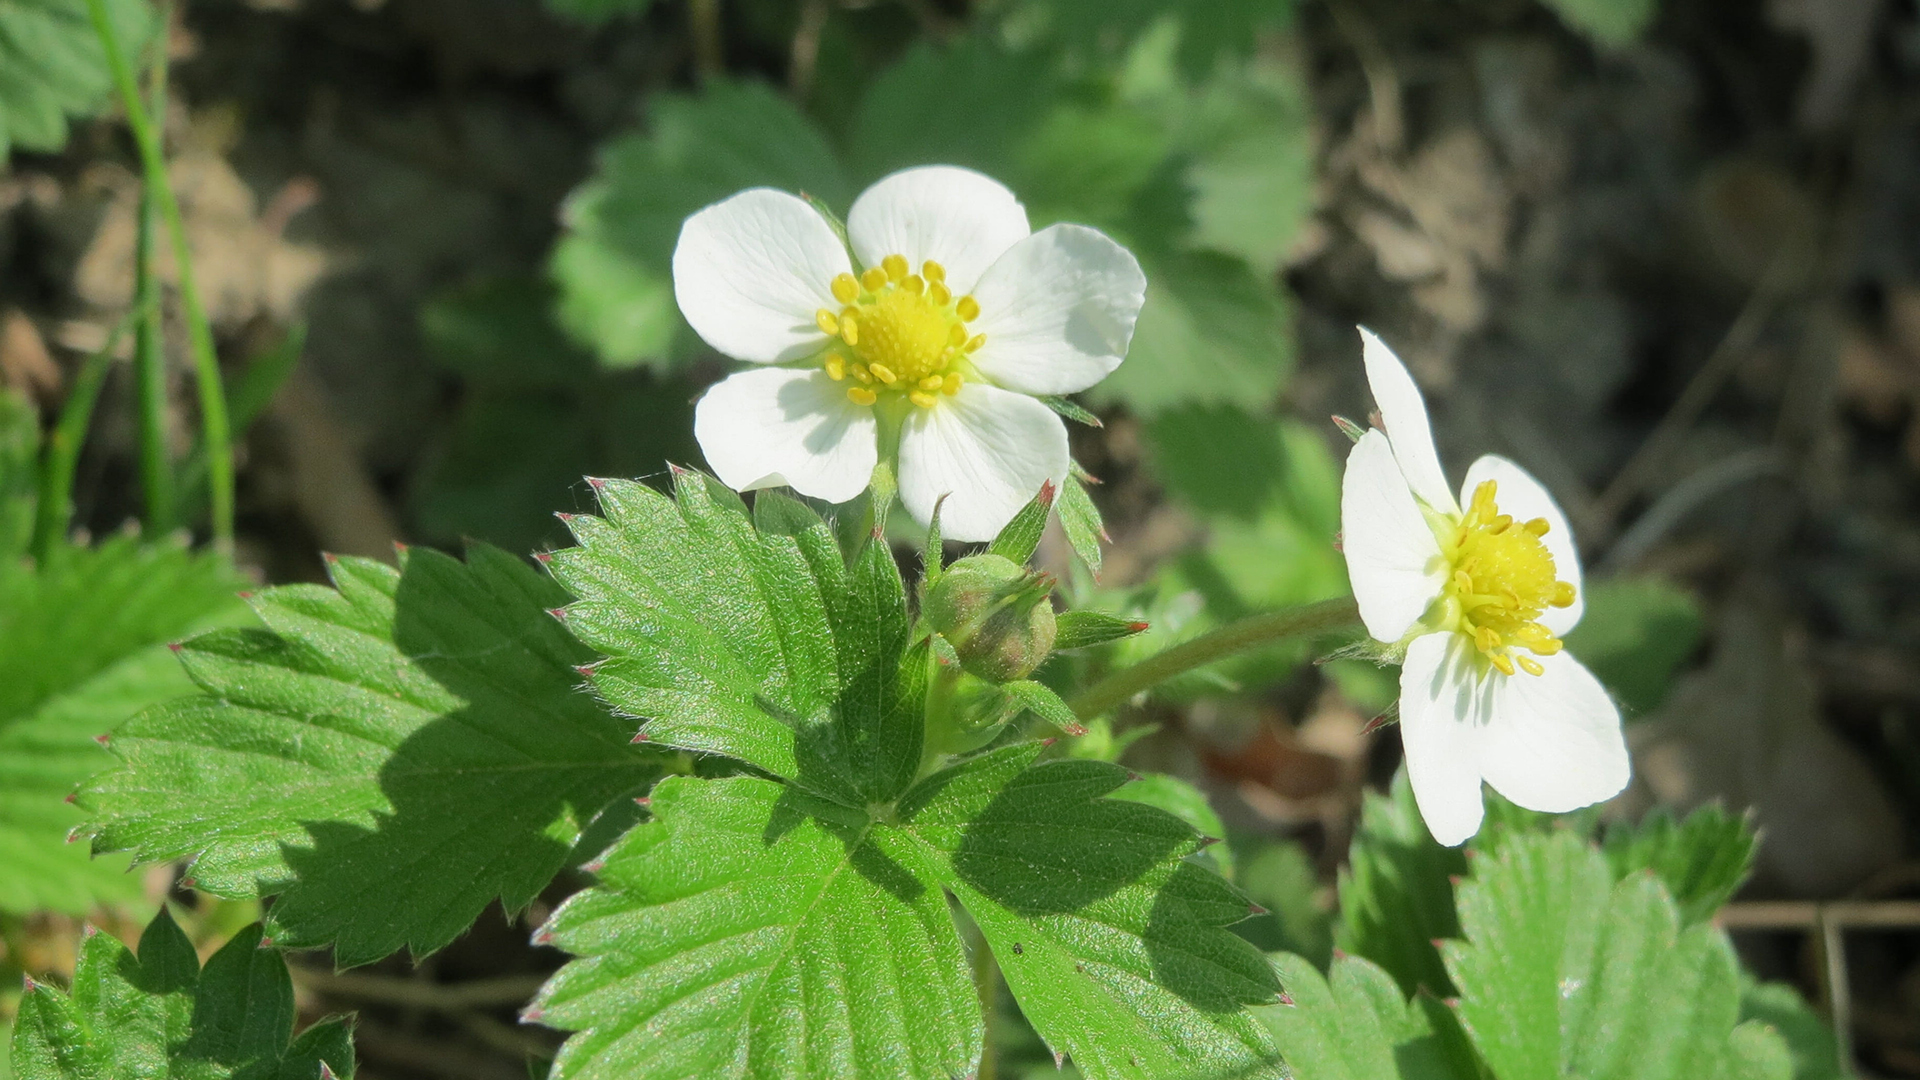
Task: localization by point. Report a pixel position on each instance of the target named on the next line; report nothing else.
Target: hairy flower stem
(149, 350)
(153, 163)
(1251, 632)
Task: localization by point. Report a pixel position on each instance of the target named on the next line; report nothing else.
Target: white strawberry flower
(1478, 598)
(933, 347)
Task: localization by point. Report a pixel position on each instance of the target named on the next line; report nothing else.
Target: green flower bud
(995, 614)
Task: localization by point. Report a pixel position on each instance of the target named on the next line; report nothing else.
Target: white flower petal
(1393, 560)
(1442, 704)
(986, 448)
(1520, 495)
(1058, 311)
(1553, 742)
(751, 270)
(773, 426)
(1404, 412)
(959, 218)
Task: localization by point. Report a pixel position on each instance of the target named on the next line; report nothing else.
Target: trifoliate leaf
(1701, 860)
(1635, 635)
(1608, 22)
(1354, 1025)
(1211, 332)
(971, 104)
(754, 641)
(612, 269)
(390, 755)
(752, 930)
(82, 648)
(1396, 895)
(1566, 973)
(52, 66)
(159, 1014)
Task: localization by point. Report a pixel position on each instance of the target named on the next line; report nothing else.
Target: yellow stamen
(1501, 580)
(938, 292)
(933, 271)
(956, 335)
(916, 285)
(873, 279)
(836, 367)
(861, 373)
(974, 342)
(952, 385)
(883, 373)
(922, 399)
(828, 321)
(845, 288)
(860, 395)
(849, 329)
(895, 266)
(968, 309)
(932, 382)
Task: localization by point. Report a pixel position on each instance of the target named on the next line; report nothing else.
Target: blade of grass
(62, 455)
(149, 343)
(153, 164)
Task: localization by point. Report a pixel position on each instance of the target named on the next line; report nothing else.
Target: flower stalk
(1252, 632)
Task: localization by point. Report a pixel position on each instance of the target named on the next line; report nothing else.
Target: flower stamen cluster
(899, 331)
(1501, 580)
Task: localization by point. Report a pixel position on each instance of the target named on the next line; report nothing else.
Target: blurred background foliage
(1665, 254)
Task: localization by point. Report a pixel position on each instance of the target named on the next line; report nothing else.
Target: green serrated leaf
(1809, 1038)
(1080, 519)
(1355, 1025)
(1566, 973)
(1020, 537)
(1702, 860)
(762, 644)
(1189, 804)
(616, 293)
(160, 1014)
(52, 66)
(82, 648)
(418, 735)
(1085, 629)
(1396, 894)
(972, 104)
(751, 930)
(1281, 877)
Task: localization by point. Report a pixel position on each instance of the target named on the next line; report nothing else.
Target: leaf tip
(327, 1073)
(643, 800)
(1285, 998)
(595, 866)
(72, 798)
(103, 740)
(565, 518)
(585, 671)
(1374, 724)
(558, 613)
(543, 557)
(532, 1014)
(1048, 741)
(27, 985)
(329, 558)
(1257, 909)
(1073, 730)
(245, 594)
(1340, 542)
(597, 483)
(1139, 627)
(1208, 841)
(1059, 1060)
(1048, 489)
(640, 737)
(1132, 776)
(87, 931)
(544, 936)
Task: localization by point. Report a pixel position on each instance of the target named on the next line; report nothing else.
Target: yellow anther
(860, 395)
(1564, 594)
(938, 292)
(895, 266)
(1502, 579)
(836, 367)
(1499, 660)
(883, 373)
(932, 382)
(849, 329)
(952, 385)
(861, 373)
(1529, 665)
(916, 285)
(1548, 647)
(956, 335)
(922, 399)
(933, 271)
(873, 278)
(974, 342)
(968, 309)
(828, 321)
(845, 288)
(1538, 526)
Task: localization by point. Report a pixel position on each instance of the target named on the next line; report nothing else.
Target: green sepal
(1040, 700)
(1070, 410)
(1020, 537)
(1081, 521)
(1085, 629)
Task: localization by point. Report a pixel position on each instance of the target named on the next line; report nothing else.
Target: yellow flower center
(898, 332)
(1502, 580)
